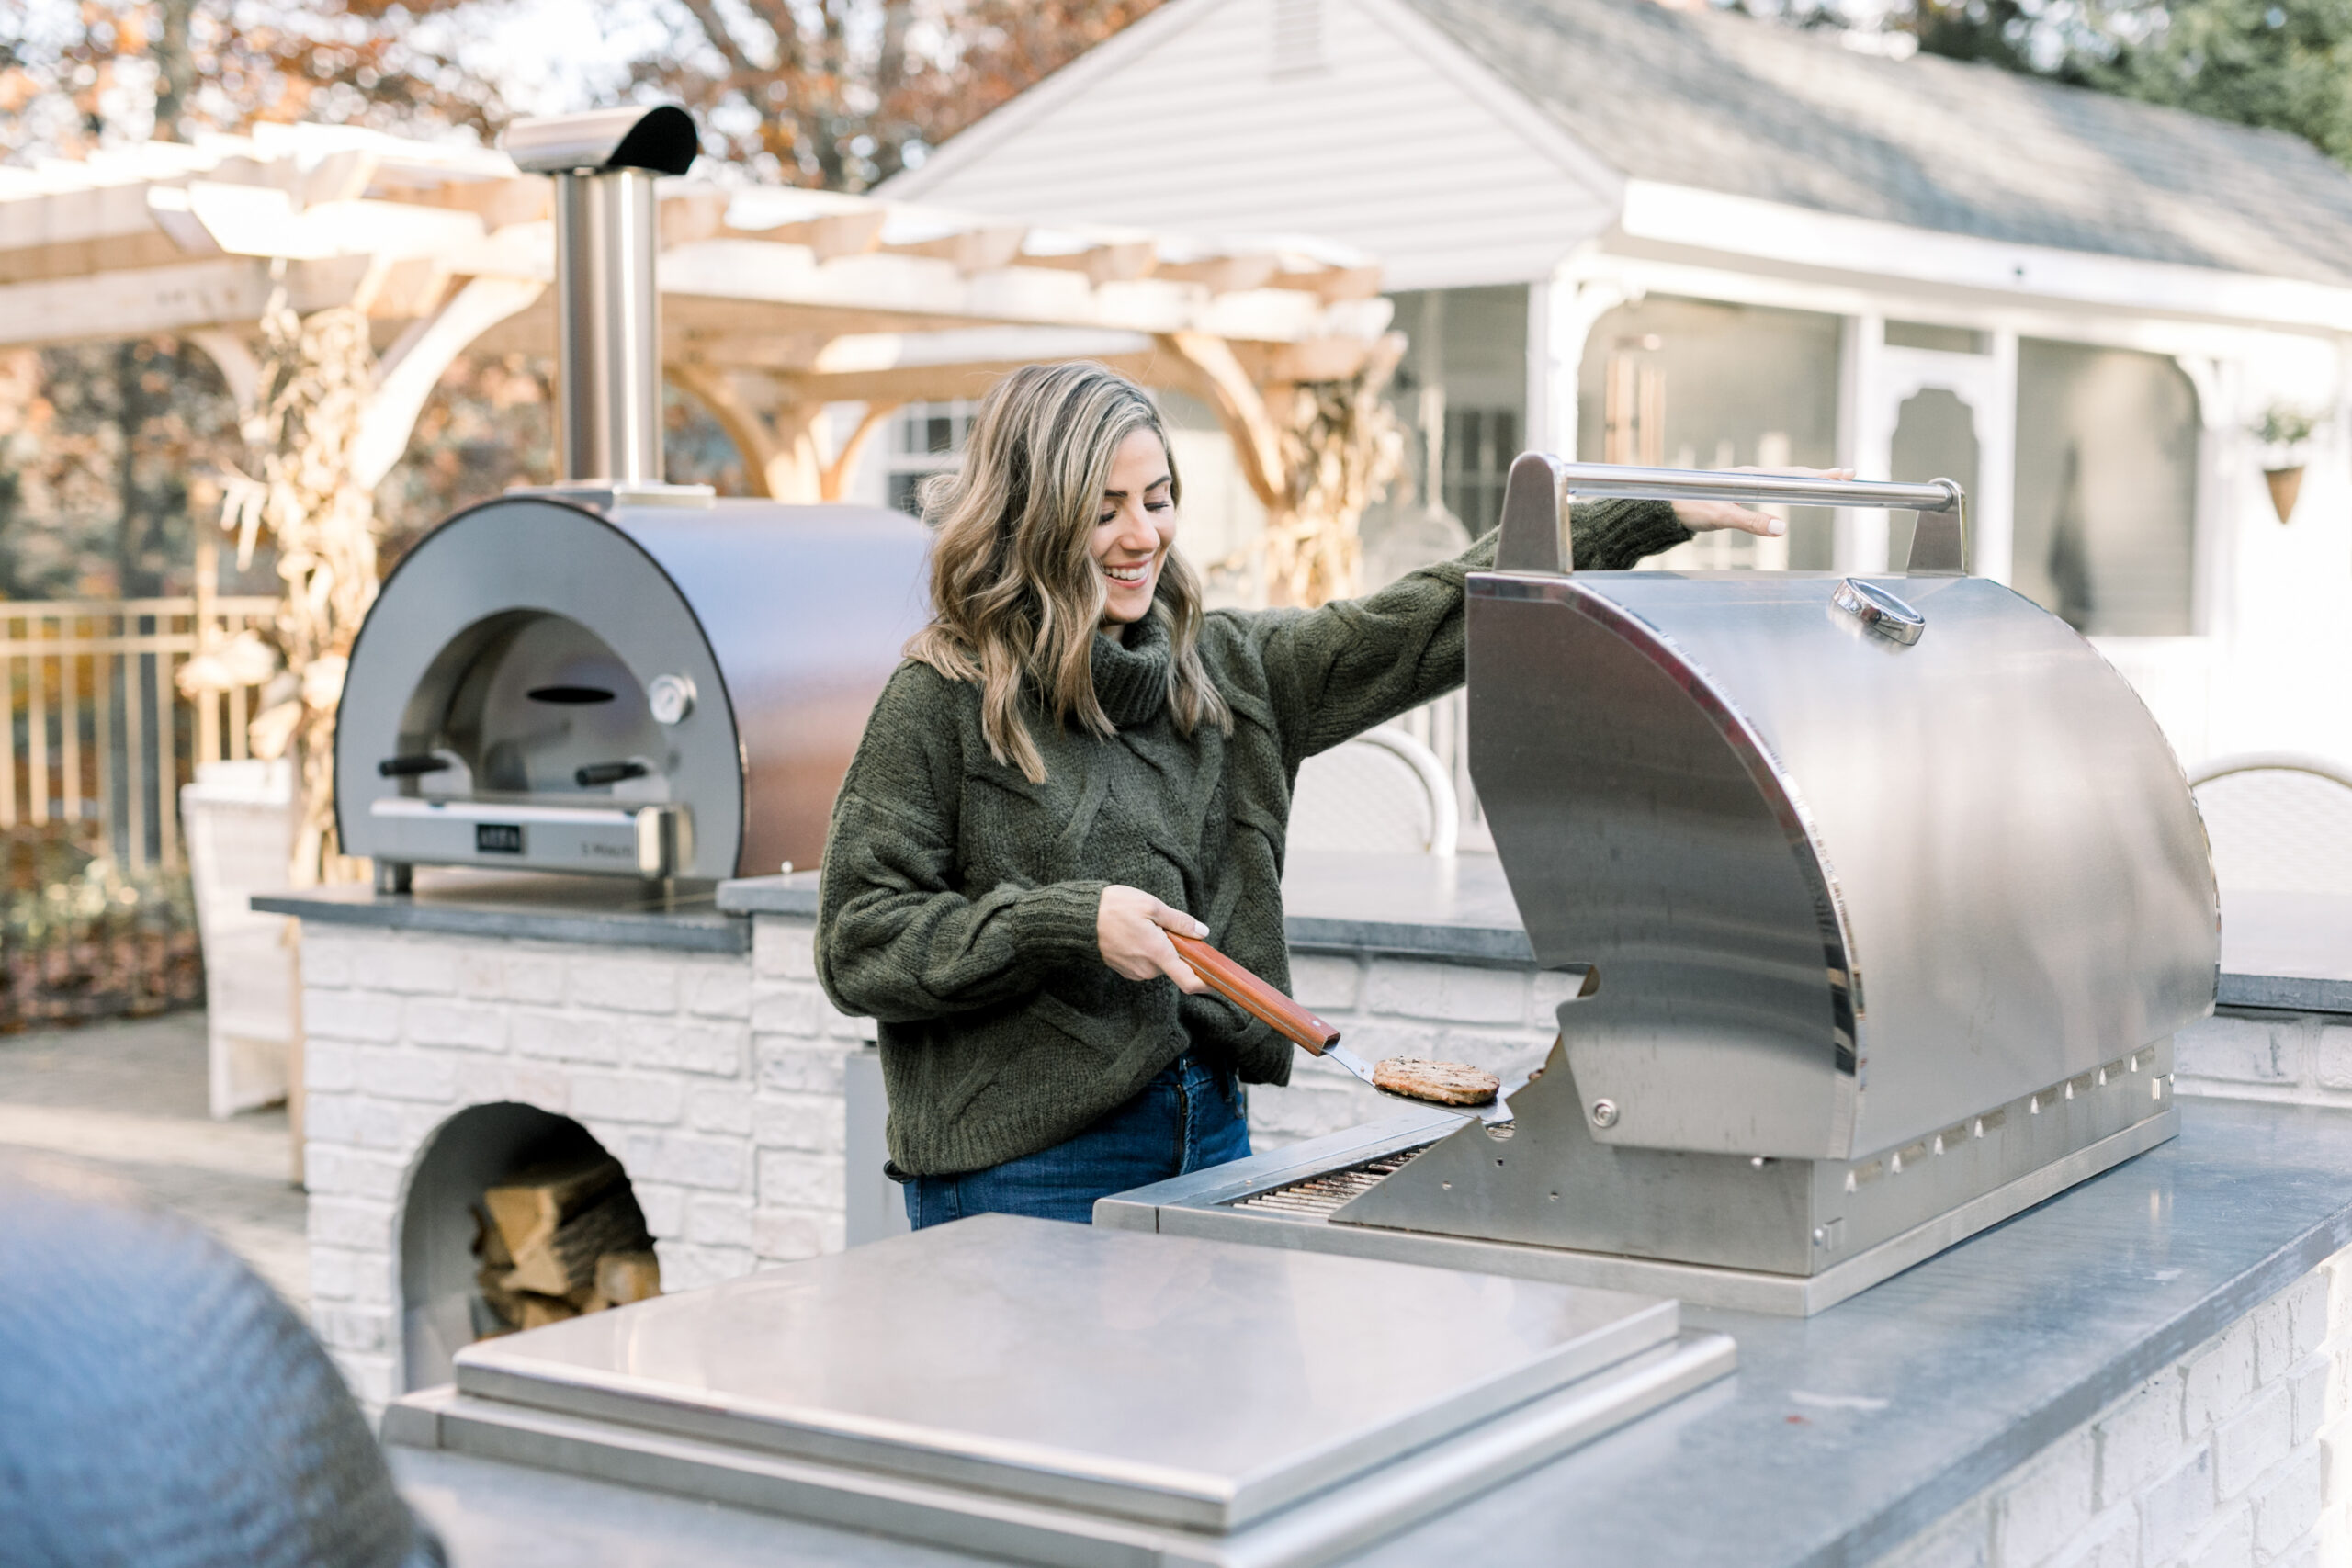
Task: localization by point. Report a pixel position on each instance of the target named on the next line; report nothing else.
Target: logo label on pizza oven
(498, 838)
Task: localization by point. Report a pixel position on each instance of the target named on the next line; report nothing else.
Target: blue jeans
(1190, 1117)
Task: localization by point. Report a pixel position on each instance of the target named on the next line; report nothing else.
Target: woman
(1076, 760)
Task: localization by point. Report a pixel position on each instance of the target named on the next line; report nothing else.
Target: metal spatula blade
(1495, 1113)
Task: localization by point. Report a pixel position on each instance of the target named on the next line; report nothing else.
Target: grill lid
(1840, 889)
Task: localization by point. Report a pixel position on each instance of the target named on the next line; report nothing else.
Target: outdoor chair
(2279, 822)
(1383, 792)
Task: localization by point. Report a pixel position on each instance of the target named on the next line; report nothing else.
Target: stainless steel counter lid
(1184, 1383)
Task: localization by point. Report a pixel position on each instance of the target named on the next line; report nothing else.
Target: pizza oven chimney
(608, 308)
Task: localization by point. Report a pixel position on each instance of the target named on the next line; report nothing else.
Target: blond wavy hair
(1017, 601)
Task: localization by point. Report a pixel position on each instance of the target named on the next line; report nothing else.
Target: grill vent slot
(1321, 1197)
(570, 696)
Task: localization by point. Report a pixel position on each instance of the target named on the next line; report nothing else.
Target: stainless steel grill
(1893, 890)
(618, 675)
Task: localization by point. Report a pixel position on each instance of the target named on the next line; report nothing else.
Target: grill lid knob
(671, 697)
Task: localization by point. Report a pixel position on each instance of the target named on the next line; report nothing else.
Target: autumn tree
(2280, 64)
(843, 94)
(75, 74)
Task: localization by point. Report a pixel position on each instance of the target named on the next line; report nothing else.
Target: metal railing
(98, 731)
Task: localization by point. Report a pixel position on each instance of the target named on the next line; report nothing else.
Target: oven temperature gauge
(671, 697)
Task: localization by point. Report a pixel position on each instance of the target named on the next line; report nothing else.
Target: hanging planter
(2285, 484)
(2285, 433)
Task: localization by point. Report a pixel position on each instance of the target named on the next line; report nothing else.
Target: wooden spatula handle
(1254, 996)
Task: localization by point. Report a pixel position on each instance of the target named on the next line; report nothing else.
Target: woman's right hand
(1132, 927)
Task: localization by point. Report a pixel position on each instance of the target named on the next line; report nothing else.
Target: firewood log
(539, 1310)
(625, 1277)
(564, 1259)
(530, 1207)
(507, 1304)
(489, 1244)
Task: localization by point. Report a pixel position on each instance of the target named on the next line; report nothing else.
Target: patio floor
(127, 1101)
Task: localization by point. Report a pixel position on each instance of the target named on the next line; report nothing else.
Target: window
(1935, 438)
(925, 439)
(1693, 384)
(2106, 489)
(1946, 340)
(1479, 446)
(1461, 395)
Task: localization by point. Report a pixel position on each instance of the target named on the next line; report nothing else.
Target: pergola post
(413, 367)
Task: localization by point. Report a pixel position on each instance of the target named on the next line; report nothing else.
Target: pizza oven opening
(515, 1217)
(529, 703)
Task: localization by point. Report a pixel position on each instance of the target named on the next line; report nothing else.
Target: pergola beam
(228, 291)
(779, 303)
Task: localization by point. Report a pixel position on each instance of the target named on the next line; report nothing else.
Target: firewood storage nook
(516, 1218)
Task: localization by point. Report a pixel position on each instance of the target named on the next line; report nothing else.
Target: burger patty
(1447, 1083)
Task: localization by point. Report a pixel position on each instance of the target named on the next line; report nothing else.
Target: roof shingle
(1721, 102)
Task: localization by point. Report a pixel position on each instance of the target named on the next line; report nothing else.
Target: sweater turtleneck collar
(1130, 669)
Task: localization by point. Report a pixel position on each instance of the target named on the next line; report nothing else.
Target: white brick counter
(715, 1080)
(2238, 1455)
(2295, 1058)
(718, 1079)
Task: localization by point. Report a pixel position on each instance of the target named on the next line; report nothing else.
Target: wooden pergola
(777, 301)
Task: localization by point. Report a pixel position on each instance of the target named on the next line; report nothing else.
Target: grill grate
(1319, 1196)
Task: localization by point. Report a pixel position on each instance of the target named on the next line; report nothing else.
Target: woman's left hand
(1702, 516)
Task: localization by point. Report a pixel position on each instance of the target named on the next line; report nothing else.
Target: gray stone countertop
(2280, 951)
(794, 893)
(2286, 952)
(1839, 1438)
(459, 902)
(1458, 908)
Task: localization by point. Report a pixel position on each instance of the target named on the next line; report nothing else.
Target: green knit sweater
(958, 899)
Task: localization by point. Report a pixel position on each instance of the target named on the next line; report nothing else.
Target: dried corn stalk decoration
(317, 373)
(1340, 446)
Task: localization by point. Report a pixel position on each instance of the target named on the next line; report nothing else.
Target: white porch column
(1561, 314)
(2220, 478)
(1993, 510)
(1865, 440)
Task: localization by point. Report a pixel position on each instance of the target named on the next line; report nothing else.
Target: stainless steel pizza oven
(648, 691)
(614, 674)
(1892, 895)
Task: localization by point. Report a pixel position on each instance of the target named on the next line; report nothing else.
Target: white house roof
(1724, 103)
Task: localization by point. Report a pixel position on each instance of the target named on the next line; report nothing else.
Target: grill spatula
(1297, 1024)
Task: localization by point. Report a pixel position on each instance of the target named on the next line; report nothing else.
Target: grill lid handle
(1542, 486)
